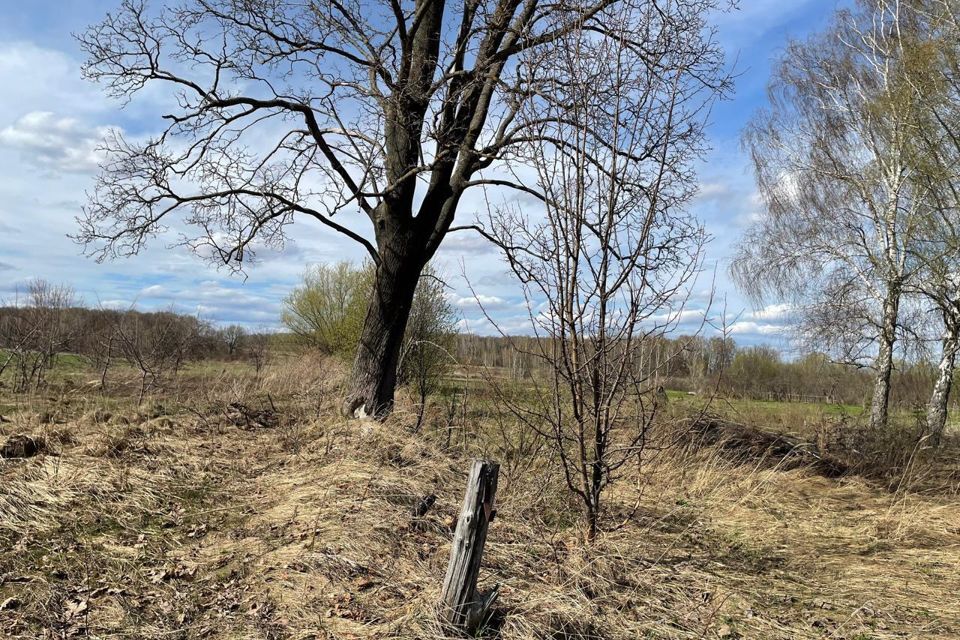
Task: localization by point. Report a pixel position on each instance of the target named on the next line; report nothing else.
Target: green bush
(327, 312)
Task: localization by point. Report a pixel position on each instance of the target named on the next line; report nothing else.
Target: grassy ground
(772, 408)
(184, 519)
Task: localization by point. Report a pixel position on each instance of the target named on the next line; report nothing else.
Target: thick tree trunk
(374, 377)
(884, 363)
(937, 409)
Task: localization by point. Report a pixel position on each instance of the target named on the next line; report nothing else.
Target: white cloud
(480, 299)
(54, 143)
(35, 78)
(772, 312)
(755, 328)
(753, 19)
(478, 326)
(154, 291)
(464, 243)
(680, 318)
(713, 191)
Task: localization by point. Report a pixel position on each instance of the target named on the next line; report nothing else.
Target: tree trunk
(421, 409)
(592, 516)
(374, 377)
(884, 362)
(937, 409)
(595, 487)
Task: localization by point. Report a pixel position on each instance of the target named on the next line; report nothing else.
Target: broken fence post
(462, 606)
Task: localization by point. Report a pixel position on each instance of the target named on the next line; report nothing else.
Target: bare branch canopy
(372, 118)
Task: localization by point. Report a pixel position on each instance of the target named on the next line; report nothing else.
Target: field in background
(230, 506)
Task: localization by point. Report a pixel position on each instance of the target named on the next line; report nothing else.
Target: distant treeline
(49, 321)
(82, 331)
(704, 365)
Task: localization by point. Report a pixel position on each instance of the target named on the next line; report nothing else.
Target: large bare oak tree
(380, 112)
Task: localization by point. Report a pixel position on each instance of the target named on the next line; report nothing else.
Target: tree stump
(462, 606)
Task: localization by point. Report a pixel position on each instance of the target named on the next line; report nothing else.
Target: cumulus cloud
(463, 243)
(44, 79)
(774, 321)
(483, 300)
(477, 326)
(680, 319)
(154, 291)
(54, 143)
(747, 327)
(713, 191)
(771, 312)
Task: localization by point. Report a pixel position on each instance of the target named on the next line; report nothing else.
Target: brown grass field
(189, 518)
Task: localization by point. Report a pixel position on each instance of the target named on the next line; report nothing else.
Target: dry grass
(173, 522)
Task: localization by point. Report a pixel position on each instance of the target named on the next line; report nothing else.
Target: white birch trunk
(884, 363)
(937, 409)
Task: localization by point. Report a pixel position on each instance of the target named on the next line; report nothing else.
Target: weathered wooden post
(461, 605)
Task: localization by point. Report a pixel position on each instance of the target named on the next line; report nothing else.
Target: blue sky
(51, 120)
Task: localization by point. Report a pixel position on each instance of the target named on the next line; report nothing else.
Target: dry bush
(886, 453)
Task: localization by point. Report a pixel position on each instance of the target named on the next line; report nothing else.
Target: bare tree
(16, 337)
(38, 330)
(832, 156)
(380, 113)
(607, 264)
(258, 350)
(233, 337)
(102, 343)
(156, 344)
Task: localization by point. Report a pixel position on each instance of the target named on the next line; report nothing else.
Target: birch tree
(934, 61)
(940, 286)
(832, 157)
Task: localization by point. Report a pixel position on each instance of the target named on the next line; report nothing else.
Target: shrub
(327, 310)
